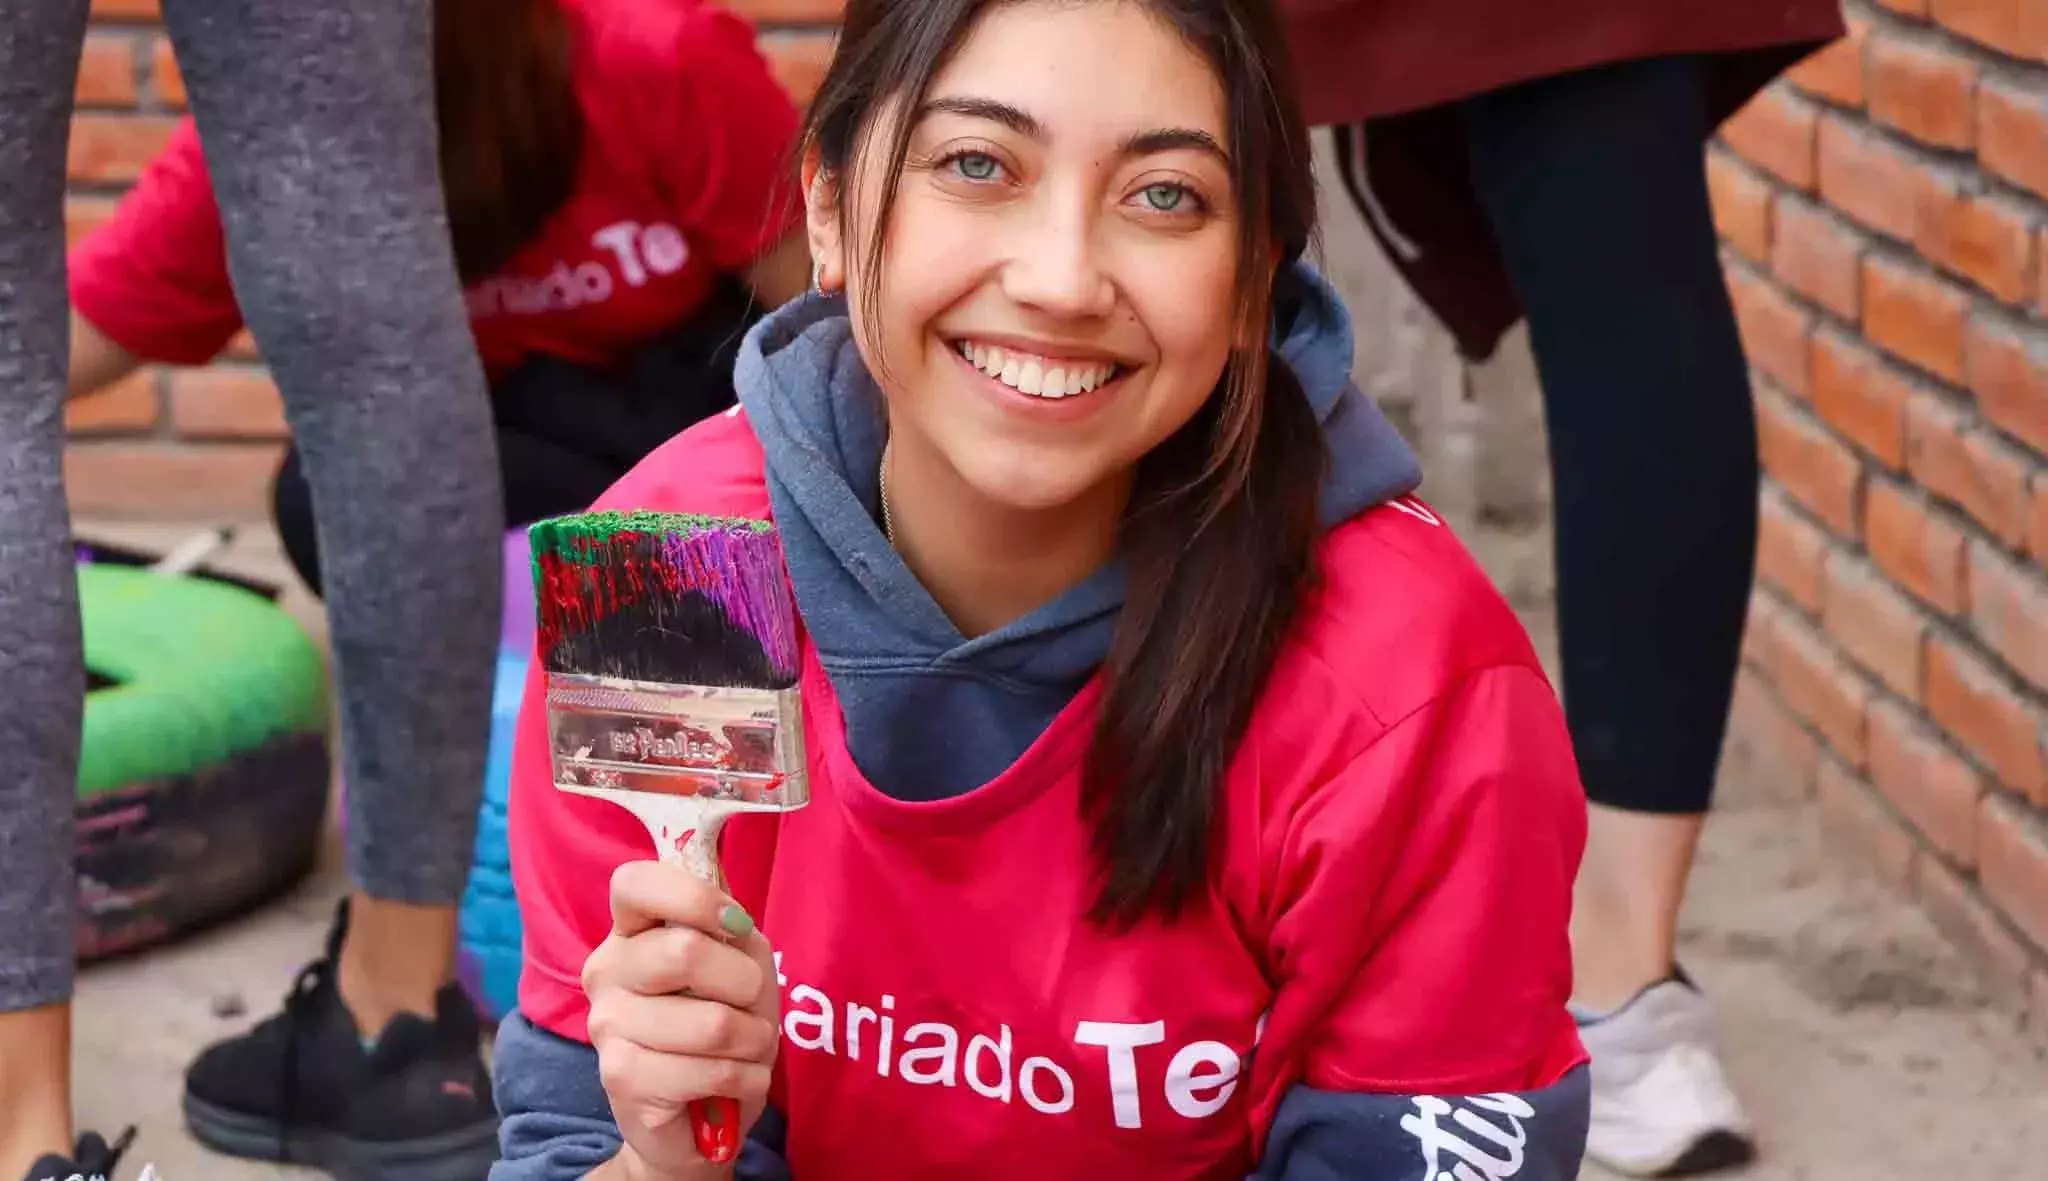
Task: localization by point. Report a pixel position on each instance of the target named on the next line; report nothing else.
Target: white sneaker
(1662, 1106)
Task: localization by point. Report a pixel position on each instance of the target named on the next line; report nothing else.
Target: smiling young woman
(1184, 804)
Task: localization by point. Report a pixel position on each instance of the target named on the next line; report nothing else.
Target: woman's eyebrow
(1011, 117)
(1141, 143)
(1172, 139)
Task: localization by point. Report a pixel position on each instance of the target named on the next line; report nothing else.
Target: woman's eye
(976, 165)
(1165, 198)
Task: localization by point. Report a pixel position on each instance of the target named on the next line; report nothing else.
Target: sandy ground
(1861, 1040)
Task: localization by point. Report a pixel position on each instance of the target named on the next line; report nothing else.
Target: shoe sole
(465, 1154)
(1712, 1153)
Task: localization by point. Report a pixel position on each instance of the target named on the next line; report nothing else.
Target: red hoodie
(1401, 827)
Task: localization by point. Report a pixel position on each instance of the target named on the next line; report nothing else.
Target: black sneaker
(302, 1088)
(92, 1160)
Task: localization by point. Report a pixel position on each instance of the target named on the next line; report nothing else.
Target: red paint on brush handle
(716, 1123)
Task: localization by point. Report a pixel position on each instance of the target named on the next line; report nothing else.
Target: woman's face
(1058, 284)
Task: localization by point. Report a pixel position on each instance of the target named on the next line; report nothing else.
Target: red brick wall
(1885, 216)
(187, 443)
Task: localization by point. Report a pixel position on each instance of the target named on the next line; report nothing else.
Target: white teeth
(1032, 375)
(1031, 378)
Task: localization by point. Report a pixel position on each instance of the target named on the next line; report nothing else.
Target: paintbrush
(669, 643)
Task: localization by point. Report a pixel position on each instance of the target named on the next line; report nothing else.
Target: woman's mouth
(1050, 378)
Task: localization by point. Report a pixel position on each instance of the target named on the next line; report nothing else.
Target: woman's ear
(821, 226)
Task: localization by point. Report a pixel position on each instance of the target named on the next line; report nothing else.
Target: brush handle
(716, 1125)
(688, 837)
(686, 833)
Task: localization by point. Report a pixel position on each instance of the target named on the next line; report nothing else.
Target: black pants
(1595, 187)
(566, 433)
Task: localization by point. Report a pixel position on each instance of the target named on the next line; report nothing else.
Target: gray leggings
(318, 123)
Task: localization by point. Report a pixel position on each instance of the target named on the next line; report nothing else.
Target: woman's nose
(1057, 266)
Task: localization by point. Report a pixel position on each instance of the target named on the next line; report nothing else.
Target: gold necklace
(882, 479)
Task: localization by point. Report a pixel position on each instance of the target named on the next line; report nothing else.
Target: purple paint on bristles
(739, 567)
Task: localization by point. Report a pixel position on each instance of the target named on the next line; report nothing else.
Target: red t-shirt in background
(686, 173)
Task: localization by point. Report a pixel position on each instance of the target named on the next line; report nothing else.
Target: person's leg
(39, 631)
(1595, 186)
(1596, 189)
(35, 1085)
(318, 126)
(291, 512)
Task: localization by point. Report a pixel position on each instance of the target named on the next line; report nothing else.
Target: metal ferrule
(744, 745)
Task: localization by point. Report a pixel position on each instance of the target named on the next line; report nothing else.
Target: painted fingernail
(737, 923)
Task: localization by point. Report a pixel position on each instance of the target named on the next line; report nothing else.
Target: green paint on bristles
(582, 537)
(675, 598)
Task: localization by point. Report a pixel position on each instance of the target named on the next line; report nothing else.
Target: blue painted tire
(491, 945)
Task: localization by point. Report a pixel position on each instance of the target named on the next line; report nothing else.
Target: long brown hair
(510, 126)
(1221, 527)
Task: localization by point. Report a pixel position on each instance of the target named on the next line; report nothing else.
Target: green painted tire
(203, 774)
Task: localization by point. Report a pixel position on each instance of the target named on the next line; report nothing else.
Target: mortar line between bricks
(2015, 550)
(1877, 686)
(1999, 187)
(139, 42)
(150, 90)
(1972, 883)
(160, 392)
(1963, 160)
(1923, 498)
(1940, 734)
(1995, 61)
(1802, 410)
(1916, 380)
(2030, 699)
(1805, 515)
(1878, 245)
(1932, 34)
(2017, 321)
(112, 190)
(1868, 790)
(1716, 147)
(2035, 698)
(1781, 602)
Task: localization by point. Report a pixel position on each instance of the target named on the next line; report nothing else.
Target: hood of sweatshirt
(888, 649)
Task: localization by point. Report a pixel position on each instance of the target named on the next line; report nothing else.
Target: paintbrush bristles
(664, 597)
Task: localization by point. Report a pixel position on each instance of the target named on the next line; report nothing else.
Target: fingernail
(737, 923)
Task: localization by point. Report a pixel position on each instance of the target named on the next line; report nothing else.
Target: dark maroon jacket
(1393, 67)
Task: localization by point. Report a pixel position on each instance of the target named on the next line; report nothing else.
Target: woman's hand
(683, 1006)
